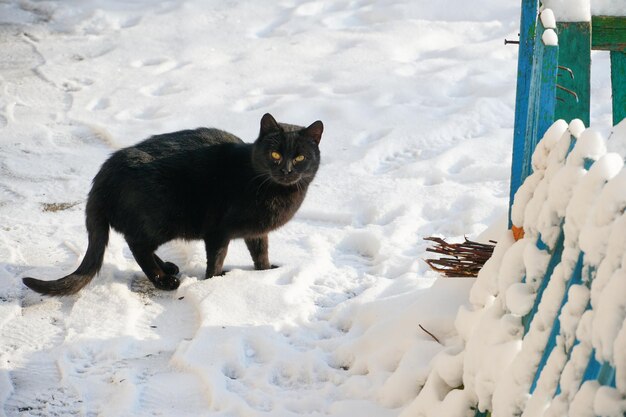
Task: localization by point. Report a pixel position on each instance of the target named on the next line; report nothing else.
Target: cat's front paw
(166, 282)
(211, 274)
(265, 265)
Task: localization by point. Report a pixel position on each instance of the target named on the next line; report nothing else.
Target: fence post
(528, 24)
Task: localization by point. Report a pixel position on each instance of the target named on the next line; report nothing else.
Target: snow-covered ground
(417, 100)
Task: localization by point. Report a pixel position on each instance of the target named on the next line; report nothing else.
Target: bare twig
(430, 334)
(463, 259)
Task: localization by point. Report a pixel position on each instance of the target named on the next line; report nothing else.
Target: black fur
(195, 184)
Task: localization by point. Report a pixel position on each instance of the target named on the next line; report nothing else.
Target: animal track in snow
(145, 113)
(462, 163)
(141, 285)
(271, 29)
(76, 84)
(369, 137)
(359, 249)
(157, 65)
(47, 403)
(162, 89)
(99, 104)
(398, 160)
(130, 22)
(254, 103)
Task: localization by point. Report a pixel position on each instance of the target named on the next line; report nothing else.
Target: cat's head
(288, 154)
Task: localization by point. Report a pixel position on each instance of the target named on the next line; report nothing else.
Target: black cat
(195, 184)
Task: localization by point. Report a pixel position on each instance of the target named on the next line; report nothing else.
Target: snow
(570, 10)
(579, 188)
(417, 101)
(582, 10)
(547, 19)
(550, 38)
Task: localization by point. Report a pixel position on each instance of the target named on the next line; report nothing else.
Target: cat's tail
(98, 231)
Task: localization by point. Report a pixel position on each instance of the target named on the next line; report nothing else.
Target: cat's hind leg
(144, 255)
(169, 268)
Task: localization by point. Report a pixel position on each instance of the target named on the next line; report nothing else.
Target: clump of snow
(576, 127)
(609, 402)
(569, 10)
(590, 146)
(520, 298)
(617, 138)
(550, 38)
(539, 160)
(547, 19)
(547, 143)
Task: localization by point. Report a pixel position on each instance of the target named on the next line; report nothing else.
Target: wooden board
(609, 33)
(575, 54)
(618, 85)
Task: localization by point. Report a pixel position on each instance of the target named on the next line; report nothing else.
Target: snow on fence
(545, 331)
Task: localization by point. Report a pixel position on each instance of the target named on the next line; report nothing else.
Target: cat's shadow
(136, 279)
(228, 270)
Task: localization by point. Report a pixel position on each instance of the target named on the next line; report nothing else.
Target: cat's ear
(314, 131)
(268, 125)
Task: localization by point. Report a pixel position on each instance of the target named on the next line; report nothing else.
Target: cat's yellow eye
(299, 158)
(276, 156)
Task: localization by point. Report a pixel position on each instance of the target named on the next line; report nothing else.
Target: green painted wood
(575, 54)
(609, 33)
(618, 85)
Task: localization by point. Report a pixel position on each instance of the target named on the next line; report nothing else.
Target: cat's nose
(287, 168)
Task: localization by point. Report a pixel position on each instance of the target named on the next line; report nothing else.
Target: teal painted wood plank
(609, 33)
(542, 98)
(534, 104)
(618, 85)
(528, 22)
(575, 54)
(547, 92)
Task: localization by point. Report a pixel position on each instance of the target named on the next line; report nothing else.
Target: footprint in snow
(59, 401)
(140, 284)
(397, 160)
(145, 113)
(157, 65)
(272, 29)
(99, 104)
(254, 103)
(369, 137)
(162, 89)
(365, 244)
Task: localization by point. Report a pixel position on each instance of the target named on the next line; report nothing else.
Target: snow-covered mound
(572, 210)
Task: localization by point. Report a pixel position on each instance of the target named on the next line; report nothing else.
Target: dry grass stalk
(462, 259)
